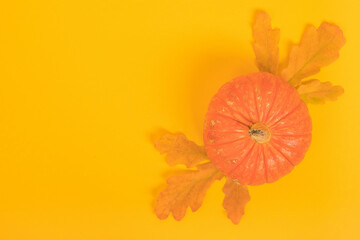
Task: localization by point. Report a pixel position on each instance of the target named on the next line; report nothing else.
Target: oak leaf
(314, 91)
(186, 190)
(265, 45)
(236, 197)
(318, 48)
(180, 150)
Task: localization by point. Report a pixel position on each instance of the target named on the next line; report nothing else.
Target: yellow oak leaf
(180, 150)
(318, 48)
(186, 190)
(314, 91)
(265, 45)
(236, 197)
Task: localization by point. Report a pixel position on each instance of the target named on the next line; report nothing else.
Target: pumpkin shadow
(206, 70)
(212, 67)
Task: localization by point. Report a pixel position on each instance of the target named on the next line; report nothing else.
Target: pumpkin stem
(260, 132)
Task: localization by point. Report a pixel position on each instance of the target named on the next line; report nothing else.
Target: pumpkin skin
(257, 129)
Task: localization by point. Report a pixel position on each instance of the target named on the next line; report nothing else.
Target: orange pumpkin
(257, 129)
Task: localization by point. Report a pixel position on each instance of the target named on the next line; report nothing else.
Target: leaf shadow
(165, 175)
(289, 45)
(156, 133)
(283, 63)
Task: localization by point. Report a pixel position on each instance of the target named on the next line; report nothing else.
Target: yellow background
(84, 84)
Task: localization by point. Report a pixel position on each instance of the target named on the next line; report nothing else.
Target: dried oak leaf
(186, 190)
(236, 198)
(318, 48)
(265, 45)
(314, 91)
(180, 150)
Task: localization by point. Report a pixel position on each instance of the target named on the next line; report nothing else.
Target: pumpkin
(257, 129)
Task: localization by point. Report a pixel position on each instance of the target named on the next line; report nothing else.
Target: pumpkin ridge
(229, 117)
(274, 146)
(265, 164)
(283, 144)
(244, 157)
(232, 131)
(275, 89)
(276, 113)
(272, 124)
(253, 176)
(236, 90)
(232, 141)
(256, 103)
(234, 111)
(289, 135)
(267, 149)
